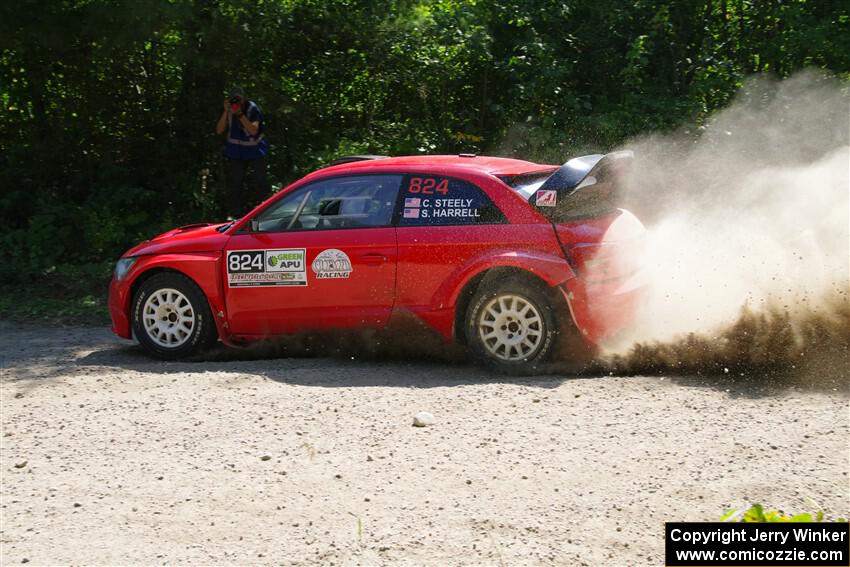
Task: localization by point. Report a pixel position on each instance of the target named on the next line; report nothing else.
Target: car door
(324, 256)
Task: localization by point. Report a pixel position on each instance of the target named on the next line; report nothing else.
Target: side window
(431, 200)
(343, 202)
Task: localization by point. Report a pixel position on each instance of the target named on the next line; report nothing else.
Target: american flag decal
(412, 202)
(411, 213)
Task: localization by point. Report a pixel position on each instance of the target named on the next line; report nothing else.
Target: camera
(234, 99)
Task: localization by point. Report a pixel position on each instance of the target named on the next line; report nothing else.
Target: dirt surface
(109, 457)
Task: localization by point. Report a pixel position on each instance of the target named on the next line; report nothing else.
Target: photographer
(245, 148)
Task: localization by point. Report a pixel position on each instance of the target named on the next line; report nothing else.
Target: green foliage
(65, 293)
(757, 513)
(109, 107)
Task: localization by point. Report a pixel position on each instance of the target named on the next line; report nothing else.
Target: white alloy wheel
(510, 327)
(168, 318)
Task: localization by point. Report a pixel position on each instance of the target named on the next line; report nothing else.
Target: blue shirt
(241, 145)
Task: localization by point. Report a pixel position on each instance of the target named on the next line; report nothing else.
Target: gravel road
(109, 457)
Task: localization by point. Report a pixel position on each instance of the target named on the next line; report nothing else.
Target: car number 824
(250, 261)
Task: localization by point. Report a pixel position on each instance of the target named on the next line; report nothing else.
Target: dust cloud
(747, 252)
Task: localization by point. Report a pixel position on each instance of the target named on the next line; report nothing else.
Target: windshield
(528, 183)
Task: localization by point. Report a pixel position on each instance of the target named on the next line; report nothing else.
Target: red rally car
(499, 254)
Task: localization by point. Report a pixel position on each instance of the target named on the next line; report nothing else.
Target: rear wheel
(171, 317)
(511, 325)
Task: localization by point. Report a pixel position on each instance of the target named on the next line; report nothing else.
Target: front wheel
(171, 317)
(511, 325)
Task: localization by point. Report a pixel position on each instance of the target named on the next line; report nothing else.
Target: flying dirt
(748, 246)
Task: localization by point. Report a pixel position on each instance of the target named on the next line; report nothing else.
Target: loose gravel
(110, 457)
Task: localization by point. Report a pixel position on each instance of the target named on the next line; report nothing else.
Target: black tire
(524, 342)
(156, 320)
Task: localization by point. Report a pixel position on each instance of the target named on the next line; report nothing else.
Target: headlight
(123, 266)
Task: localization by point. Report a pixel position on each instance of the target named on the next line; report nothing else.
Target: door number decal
(262, 268)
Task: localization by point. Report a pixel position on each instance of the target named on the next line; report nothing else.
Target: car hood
(201, 237)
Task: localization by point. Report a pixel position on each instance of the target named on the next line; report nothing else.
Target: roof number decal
(428, 186)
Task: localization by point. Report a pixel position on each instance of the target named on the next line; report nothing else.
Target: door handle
(373, 258)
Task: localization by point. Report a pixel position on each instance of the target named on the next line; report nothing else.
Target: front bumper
(119, 308)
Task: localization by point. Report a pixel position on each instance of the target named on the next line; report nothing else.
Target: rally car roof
(492, 165)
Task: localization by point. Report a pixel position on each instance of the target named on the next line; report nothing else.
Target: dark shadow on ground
(399, 357)
(402, 358)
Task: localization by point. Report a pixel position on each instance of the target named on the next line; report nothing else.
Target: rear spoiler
(583, 187)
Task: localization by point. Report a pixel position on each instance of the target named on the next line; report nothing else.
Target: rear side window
(433, 200)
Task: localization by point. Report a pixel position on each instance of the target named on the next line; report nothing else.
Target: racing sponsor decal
(547, 198)
(262, 268)
(332, 264)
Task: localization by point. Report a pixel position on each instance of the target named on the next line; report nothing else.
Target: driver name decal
(445, 201)
(436, 208)
(430, 208)
(263, 268)
(332, 264)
